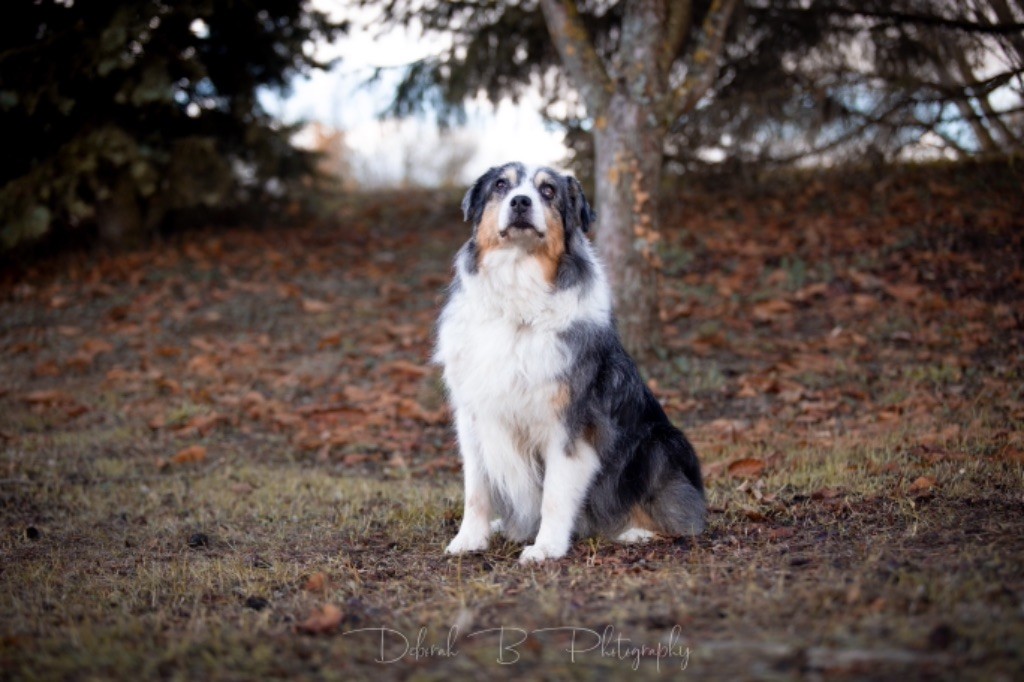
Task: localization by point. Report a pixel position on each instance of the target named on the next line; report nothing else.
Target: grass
(882, 539)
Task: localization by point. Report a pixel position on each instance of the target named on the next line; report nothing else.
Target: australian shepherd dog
(559, 435)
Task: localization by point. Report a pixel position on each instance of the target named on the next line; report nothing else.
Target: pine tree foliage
(118, 115)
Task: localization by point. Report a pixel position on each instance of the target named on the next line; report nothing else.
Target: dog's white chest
(500, 343)
(500, 365)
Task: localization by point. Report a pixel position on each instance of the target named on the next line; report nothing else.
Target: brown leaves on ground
(795, 318)
(834, 315)
(314, 338)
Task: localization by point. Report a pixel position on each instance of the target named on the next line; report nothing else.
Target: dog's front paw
(537, 553)
(465, 543)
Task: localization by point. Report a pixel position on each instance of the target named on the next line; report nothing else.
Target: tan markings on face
(551, 252)
(488, 236)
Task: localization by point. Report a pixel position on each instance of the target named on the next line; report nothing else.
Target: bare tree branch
(577, 52)
(904, 18)
(981, 96)
(680, 21)
(704, 61)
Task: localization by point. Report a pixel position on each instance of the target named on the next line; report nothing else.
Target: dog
(559, 436)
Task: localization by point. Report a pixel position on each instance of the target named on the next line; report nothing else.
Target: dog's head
(538, 210)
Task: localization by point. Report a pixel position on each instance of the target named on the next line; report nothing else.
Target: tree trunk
(629, 97)
(627, 177)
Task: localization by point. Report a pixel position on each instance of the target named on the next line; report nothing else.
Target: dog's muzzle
(520, 223)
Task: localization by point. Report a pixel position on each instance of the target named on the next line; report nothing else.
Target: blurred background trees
(647, 86)
(121, 117)
(798, 80)
(118, 116)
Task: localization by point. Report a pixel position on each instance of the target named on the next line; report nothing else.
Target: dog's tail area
(677, 506)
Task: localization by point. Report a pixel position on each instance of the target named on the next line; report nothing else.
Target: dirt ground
(226, 456)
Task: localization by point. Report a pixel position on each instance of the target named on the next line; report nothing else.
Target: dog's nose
(521, 203)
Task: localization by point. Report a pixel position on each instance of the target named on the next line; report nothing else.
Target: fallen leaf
(204, 366)
(75, 410)
(755, 515)
(864, 280)
(826, 494)
(330, 341)
(748, 467)
(49, 368)
(408, 368)
(201, 424)
(168, 385)
(781, 533)
(191, 454)
(441, 463)
(96, 346)
(48, 397)
(311, 305)
(766, 311)
(1012, 454)
(413, 410)
(321, 621)
(316, 582)
(922, 486)
(906, 293)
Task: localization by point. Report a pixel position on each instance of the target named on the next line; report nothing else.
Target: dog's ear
(473, 202)
(579, 212)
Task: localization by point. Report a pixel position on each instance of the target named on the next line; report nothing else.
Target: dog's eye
(547, 191)
(501, 184)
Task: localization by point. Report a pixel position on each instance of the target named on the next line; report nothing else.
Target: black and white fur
(559, 435)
